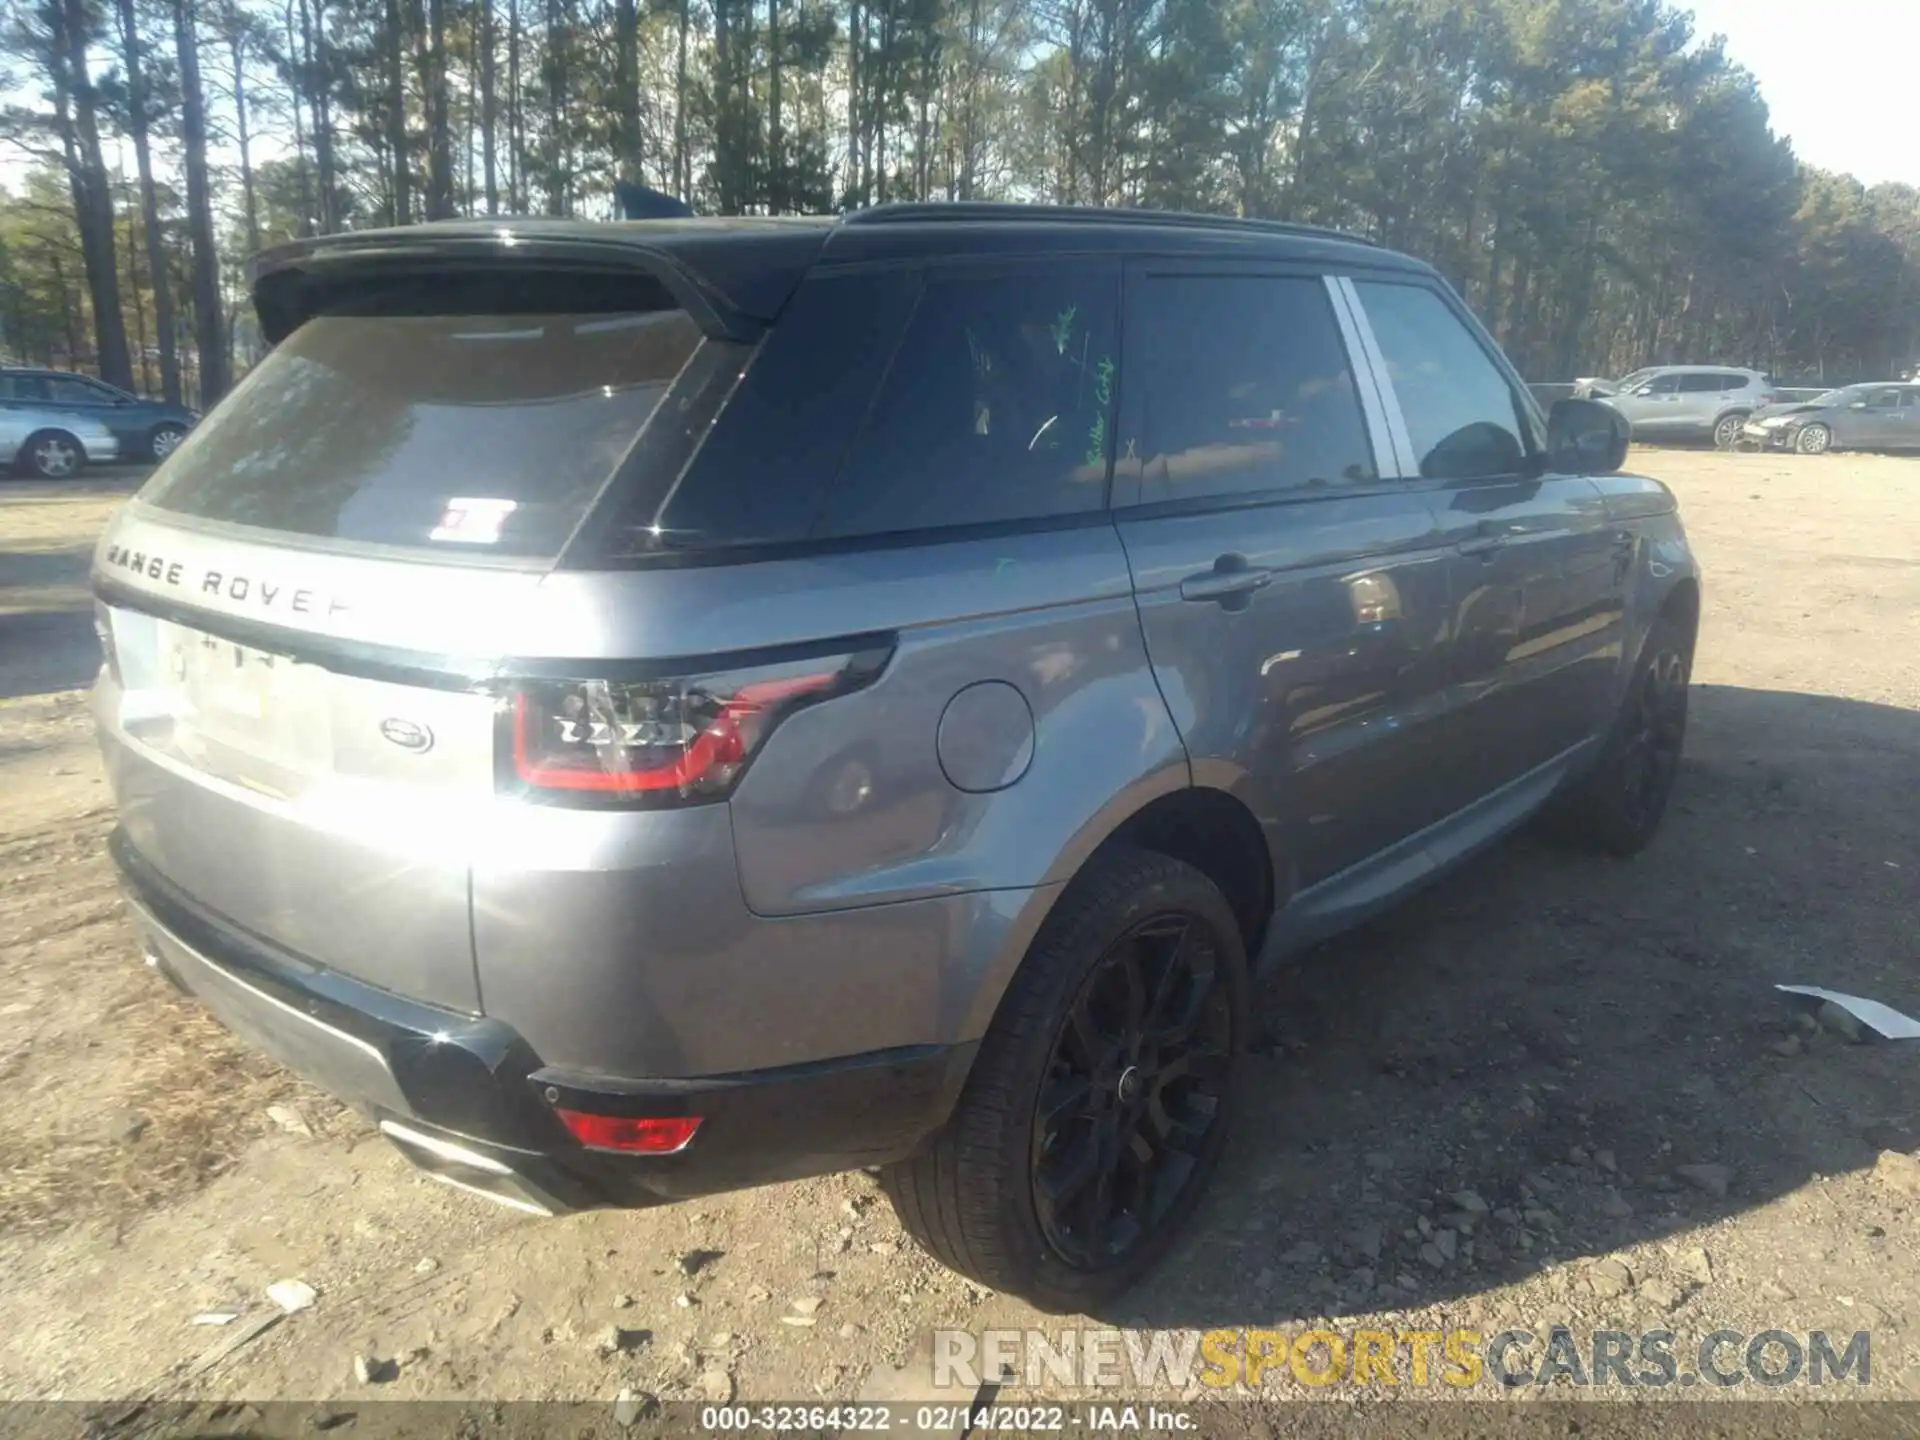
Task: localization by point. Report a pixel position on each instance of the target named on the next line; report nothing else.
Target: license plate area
(235, 711)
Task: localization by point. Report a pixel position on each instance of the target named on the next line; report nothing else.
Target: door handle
(1230, 582)
(1483, 545)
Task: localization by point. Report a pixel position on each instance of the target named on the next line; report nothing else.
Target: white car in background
(53, 445)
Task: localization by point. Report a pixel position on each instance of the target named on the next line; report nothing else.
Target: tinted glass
(1665, 385)
(25, 387)
(1884, 400)
(761, 473)
(1736, 382)
(488, 434)
(995, 408)
(1701, 384)
(1239, 385)
(1909, 398)
(1459, 410)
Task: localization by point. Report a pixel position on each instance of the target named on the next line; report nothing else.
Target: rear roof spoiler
(731, 278)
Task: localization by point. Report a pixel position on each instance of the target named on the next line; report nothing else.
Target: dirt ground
(1560, 1035)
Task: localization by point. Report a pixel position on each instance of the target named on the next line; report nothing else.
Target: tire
(1617, 808)
(51, 455)
(1726, 430)
(977, 1196)
(1814, 439)
(164, 440)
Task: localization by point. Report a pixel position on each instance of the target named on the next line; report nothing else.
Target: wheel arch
(1201, 825)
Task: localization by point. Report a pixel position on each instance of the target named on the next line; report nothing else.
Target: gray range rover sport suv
(650, 708)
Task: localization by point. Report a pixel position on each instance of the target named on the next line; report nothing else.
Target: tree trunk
(206, 259)
(516, 134)
(433, 85)
(778, 199)
(626, 100)
(682, 161)
(489, 107)
(295, 47)
(139, 122)
(236, 38)
(92, 200)
(313, 21)
(396, 78)
(559, 183)
(139, 309)
(856, 76)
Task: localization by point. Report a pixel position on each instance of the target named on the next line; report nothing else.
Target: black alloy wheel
(1135, 1084)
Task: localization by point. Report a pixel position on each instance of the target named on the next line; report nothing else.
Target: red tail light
(658, 743)
(635, 1134)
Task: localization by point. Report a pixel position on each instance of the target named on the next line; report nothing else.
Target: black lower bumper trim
(475, 1083)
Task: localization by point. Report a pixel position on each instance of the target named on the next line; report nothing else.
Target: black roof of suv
(734, 274)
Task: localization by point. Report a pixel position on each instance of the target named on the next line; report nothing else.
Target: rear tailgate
(324, 810)
(304, 604)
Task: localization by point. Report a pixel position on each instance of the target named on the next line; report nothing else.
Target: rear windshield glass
(467, 433)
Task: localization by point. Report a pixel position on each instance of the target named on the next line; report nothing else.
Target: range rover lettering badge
(407, 734)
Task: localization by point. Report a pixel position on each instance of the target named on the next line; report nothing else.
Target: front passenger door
(1876, 424)
(1652, 409)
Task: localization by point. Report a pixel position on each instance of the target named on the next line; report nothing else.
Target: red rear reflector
(639, 1135)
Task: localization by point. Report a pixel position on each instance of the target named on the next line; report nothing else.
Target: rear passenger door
(1292, 593)
(1539, 574)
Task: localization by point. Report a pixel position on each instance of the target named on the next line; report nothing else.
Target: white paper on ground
(1884, 1019)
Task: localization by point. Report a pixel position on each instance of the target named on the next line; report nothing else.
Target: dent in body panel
(620, 944)
(849, 805)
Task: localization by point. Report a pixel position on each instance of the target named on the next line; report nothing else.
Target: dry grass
(89, 1035)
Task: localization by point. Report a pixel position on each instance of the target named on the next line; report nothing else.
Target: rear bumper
(468, 1099)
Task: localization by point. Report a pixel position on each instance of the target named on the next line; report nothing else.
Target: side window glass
(1239, 385)
(1665, 385)
(1884, 399)
(29, 387)
(1700, 384)
(996, 408)
(1460, 412)
(74, 392)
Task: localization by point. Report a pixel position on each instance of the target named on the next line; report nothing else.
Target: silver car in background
(1685, 402)
(53, 445)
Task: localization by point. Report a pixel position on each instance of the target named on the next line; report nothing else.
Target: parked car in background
(1685, 402)
(1854, 417)
(145, 429)
(51, 445)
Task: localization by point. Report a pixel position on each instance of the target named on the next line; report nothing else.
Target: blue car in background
(146, 429)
